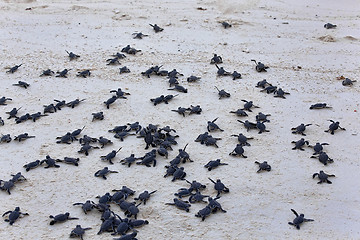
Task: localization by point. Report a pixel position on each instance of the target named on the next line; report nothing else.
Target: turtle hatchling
(14, 69)
(61, 218)
(47, 72)
(14, 215)
(264, 166)
(300, 129)
(221, 71)
(84, 74)
(156, 28)
(299, 144)
(98, 116)
(3, 100)
(219, 187)
(213, 164)
(238, 151)
(222, 93)
(299, 219)
(348, 82)
(319, 106)
(183, 205)
(22, 84)
(72, 55)
(110, 156)
(212, 126)
(216, 59)
(144, 196)
(329, 25)
(260, 67)
(334, 126)
(323, 158)
(323, 177)
(62, 73)
(22, 137)
(103, 172)
(78, 232)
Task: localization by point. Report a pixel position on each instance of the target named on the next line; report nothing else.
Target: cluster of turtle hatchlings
(161, 140)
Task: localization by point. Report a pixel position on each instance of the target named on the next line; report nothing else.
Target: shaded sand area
(303, 57)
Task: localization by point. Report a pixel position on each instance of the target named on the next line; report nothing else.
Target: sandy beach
(303, 57)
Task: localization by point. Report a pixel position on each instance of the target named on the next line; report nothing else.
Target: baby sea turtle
(238, 151)
(236, 75)
(59, 104)
(50, 162)
(300, 129)
(62, 73)
(263, 84)
(323, 158)
(86, 148)
(213, 164)
(226, 25)
(13, 113)
(129, 160)
(113, 61)
(299, 144)
(222, 93)
(329, 26)
(49, 108)
(6, 185)
(211, 141)
(260, 67)
(2, 123)
(179, 174)
(22, 84)
(193, 78)
(269, 89)
(144, 196)
(216, 59)
(78, 232)
(17, 177)
(36, 116)
(212, 126)
(32, 165)
(3, 100)
(139, 35)
(323, 177)
(103, 172)
(14, 69)
(215, 205)
(348, 82)
(242, 139)
(110, 101)
(219, 187)
(195, 186)
(240, 113)
(299, 219)
(248, 125)
(156, 28)
(183, 192)
(221, 71)
(203, 213)
(65, 139)
(195, 109)
(69, 160)
(23, 118)
(319, 106)
(75, 102)
(280, 93)
(72, 55)
(47, 72)
(334, 126)
(179, 88)
(110, 156)
(104, 141)
(22, 137)
(119, 93)
(84, 74)
(14, 215)
(130, 50)
(61, 218)
(98, 116)
(264, 166)
(248, 105)
(197, 197)
(262, 117)
(318, 147)
(124, 69)
(181, 110)
(183, 205)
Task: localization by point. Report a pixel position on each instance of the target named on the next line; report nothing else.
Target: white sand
(258, 205)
